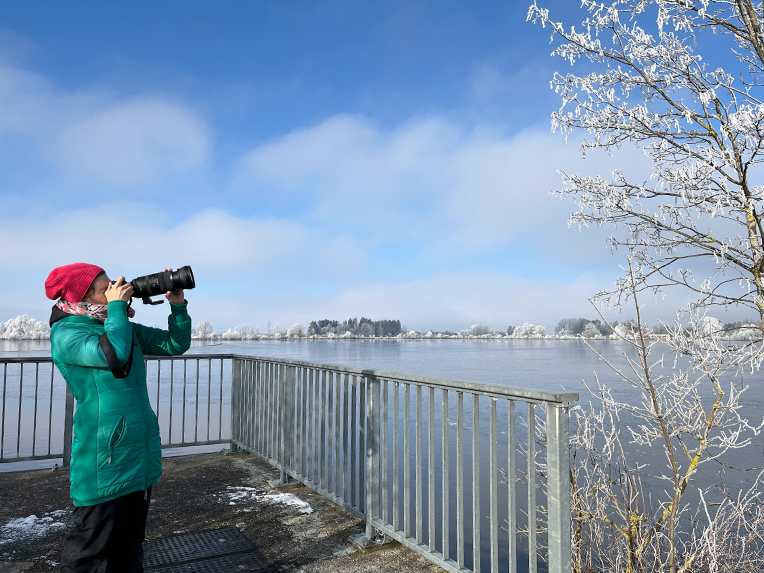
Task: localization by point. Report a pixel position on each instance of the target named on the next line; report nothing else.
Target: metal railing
(189, 394)
(330, 428)
(402, 452)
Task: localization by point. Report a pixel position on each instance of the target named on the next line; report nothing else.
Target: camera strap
(117, 369)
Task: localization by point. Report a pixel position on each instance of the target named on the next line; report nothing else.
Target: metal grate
(216, 551)
(193, 546)
(242, 563)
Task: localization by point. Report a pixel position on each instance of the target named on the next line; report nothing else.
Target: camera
(159, 283)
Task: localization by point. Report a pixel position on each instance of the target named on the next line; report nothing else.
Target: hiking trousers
(113, 531)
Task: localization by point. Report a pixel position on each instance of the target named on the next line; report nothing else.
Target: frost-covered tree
(297, 330)
(697, 222)
(591, 330)
(245, 332)
(479, 329)
(204, 330)
(366, 330)
(682, 81)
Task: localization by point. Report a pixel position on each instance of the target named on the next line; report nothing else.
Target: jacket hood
(57, 314)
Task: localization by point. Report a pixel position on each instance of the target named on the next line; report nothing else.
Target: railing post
(68, 428)
(558, 482)
(291, 392)
(286, 423)
(236, 364)
(373, 426)
(282, 421)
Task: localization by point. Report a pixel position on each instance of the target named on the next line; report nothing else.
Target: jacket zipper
(119, 428)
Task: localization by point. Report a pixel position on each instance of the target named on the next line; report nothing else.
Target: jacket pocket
(117, 434)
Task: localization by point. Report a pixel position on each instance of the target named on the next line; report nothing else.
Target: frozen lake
(541, 364)
(547, 364)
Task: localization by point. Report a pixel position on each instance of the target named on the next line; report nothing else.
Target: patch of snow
(235, 494)
(241, 493)
(32, 527)
(287, 499)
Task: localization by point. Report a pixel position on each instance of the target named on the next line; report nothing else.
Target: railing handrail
(565, 399)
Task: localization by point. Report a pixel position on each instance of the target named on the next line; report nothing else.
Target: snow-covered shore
(25, 328)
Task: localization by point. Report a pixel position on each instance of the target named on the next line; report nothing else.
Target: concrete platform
(293, 530)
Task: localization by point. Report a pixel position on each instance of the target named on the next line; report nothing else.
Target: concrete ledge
(366, 544)
(285, 485)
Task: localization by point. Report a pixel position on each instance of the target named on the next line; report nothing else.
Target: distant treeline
(26, 328)
(357, 327)
(591, 328)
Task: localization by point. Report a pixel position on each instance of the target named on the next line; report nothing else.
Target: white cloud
(135, 142)
(472, 190)
(26, 102)
(124, 235)
(351, 164)
(97, 139)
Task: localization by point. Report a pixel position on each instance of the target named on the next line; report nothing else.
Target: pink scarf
(94, 310)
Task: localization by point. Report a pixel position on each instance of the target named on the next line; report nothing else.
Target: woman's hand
(176, 296)
(119, 290)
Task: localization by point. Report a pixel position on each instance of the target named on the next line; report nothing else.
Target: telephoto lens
(159, 283)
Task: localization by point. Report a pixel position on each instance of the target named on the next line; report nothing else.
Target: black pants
(113, 531)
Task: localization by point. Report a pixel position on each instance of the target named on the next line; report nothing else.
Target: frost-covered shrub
(710, 326)
(24, 328)
(623, 330)
(746, 331)
(528, 330)
(479, 329)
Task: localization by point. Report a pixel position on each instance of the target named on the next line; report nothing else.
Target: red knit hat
(71, 282)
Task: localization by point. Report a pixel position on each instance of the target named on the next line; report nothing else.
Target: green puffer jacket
(116, 448)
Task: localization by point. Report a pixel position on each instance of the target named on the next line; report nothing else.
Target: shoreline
(217, 340)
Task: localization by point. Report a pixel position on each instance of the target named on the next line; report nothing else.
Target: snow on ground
(32, 527)
(243, 494)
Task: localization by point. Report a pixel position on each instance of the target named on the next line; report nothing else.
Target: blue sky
(308, 159)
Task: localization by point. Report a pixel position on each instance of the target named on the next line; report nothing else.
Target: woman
(116, 450)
